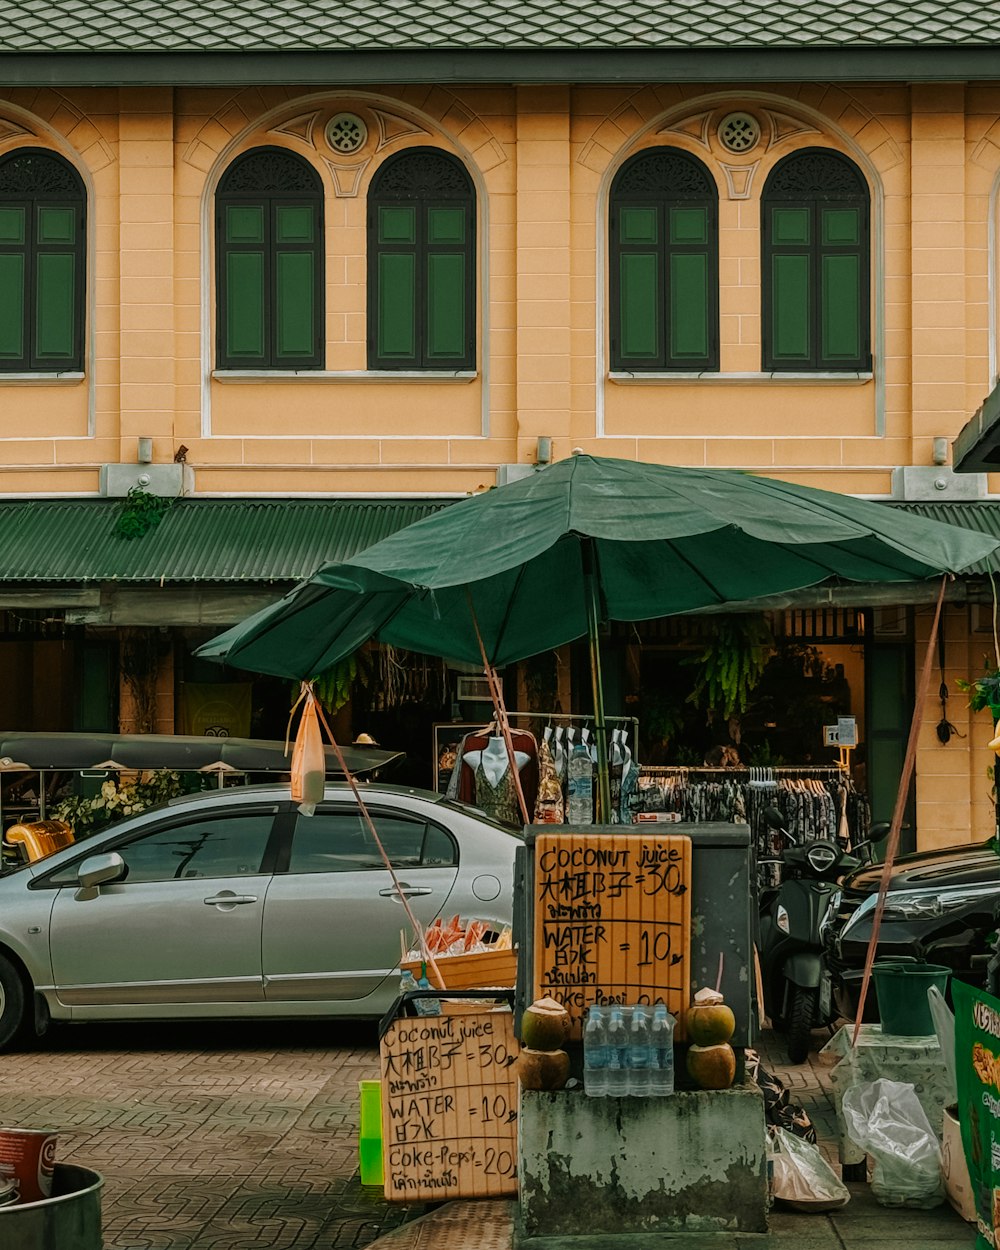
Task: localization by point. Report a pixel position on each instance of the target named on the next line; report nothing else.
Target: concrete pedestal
(593, 1167)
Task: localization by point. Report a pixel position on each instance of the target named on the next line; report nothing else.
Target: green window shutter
(689, 306)
(445, 306)
(841, 285)
(244, 223)
(640, 303)
(294, 311)
(638, 224)
(294, 223)
(55, 302)
(56, 225)
(11, 226)
(245, 306)
(815, 264)
(421, 263)
(269, 263)
(446, 225)
(12, 306)
(790, 307)
(841, 226)
(397, 225)
(688, 225)
(790, 226)
(42, 263)
(397, 331)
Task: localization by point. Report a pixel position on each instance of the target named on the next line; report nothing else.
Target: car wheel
(12, 997)
(800, 1021)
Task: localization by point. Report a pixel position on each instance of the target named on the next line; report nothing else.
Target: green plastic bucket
(370, 1137)
(901, 989)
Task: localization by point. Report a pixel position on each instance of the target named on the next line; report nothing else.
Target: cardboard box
(957, 1185)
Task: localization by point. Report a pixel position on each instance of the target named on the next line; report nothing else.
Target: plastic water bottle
(639, 1055)
(618, 1073)
(661, 1039)
(595, 1054)
(426, 1006)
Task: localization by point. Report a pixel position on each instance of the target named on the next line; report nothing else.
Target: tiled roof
(42, 26)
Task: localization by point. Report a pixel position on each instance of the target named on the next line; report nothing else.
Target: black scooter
(797, 982)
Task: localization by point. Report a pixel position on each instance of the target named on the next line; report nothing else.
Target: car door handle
(228, 899)
(410, 891)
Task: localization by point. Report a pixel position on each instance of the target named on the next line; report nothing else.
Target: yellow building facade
(545, 372)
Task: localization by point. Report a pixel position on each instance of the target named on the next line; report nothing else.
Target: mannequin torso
(494, 760)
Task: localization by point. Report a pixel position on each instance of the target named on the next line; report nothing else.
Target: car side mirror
(97, 870)
(879, 832)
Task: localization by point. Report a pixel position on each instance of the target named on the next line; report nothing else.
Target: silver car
(233, 904)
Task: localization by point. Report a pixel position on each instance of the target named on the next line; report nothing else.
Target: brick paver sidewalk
(215, 1137)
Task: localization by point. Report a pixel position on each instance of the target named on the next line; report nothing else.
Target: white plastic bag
(885, 1118)
(802, 1177)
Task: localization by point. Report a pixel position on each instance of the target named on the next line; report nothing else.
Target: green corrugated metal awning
(982, 515)
(234, 541)
(240, 542)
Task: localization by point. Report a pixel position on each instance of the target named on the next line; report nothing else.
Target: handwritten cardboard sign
(449, 1107)
(613, 920)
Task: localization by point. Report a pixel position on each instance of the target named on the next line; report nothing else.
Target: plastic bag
(885, 1118)
(308, 760)
(802, 1178)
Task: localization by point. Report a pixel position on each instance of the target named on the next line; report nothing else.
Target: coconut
(708, 1020)
(542, 1069)
(545, 1025)
(712, 1067)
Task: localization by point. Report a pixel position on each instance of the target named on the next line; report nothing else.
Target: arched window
(664, 264)
(815, 269)
(42, 263)
(421, 263)
(269, 263)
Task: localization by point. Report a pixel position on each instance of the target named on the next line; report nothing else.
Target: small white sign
(847, 731)
(830, 738)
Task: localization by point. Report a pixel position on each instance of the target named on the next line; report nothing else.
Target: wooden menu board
(613, 920)
(449, 1107)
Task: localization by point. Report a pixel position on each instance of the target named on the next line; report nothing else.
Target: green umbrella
(544, 560)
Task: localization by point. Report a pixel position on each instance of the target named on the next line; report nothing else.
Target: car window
(340, 841)
(213, 846)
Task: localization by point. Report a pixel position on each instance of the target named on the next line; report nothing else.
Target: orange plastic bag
(308, 760)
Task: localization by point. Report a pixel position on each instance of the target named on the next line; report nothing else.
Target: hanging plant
(983, 692)
(139, 512)
(730, 664)
(333, 687)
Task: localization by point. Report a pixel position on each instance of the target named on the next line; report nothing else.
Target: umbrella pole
(593, 623)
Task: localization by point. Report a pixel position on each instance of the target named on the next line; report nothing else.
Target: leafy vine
(139, 512)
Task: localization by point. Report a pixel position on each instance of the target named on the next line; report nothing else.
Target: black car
(940, 906)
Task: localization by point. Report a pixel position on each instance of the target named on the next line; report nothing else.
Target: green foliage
(983, 692)
(139, 512)
(731, 664)
(662, 715)
(117, 800)
(763, 755)
(334, 685)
